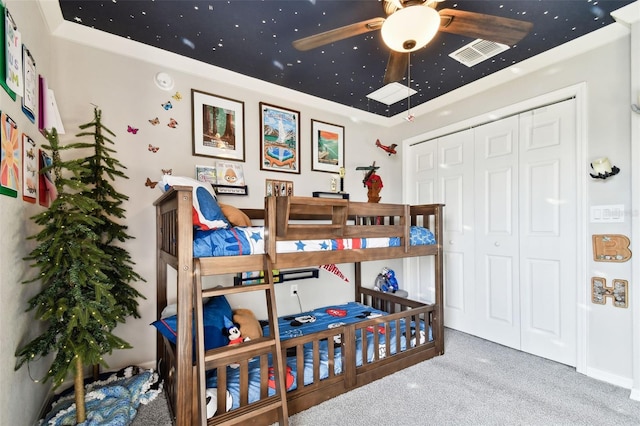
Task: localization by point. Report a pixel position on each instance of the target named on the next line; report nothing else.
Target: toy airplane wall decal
(391, 149)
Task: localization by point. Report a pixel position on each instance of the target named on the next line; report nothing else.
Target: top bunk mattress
(238, 241)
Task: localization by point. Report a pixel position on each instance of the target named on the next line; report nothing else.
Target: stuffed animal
(212, 401)
(247, 322)
(232, 331)
(386, 281)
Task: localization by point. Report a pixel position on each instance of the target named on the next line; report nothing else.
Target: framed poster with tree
(218, 126)
(280, 139)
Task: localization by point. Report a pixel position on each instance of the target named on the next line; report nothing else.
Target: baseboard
(635, 394)
(614, 379)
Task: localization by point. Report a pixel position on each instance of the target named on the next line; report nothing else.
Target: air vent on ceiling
(391, 93)
(478, 51)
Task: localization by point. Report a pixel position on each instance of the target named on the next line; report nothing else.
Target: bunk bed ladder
(271, 342)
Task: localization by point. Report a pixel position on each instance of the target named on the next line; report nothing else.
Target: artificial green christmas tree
(84, 276)
(100, 170)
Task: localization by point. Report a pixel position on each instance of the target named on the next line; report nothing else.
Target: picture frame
(218, 126)
(279, 139)
(278, 188)
(229, 173)
(327, 147)
(206, 174)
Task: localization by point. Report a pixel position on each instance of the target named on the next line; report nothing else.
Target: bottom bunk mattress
(329, 317)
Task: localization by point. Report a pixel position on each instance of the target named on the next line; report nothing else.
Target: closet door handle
(451, 242)
(497, 244)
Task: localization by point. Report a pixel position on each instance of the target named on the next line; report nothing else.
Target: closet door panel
(455, 188)
(496, 243)
(542, 288)
(423, 168)
(548, 231)
(499, 294)
(425, 172)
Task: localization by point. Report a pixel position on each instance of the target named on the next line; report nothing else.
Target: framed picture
(206, 174)
(278, 188)
(280, 139)
(218, 126)
(327, 147)
(229, 173)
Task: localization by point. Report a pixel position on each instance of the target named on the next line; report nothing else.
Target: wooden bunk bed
(182, 365)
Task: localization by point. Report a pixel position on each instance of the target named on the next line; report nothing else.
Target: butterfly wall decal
(154, 121)
(167, 106)
(177, 96)
(151, 184)
(172, 123)
(132, 130)
(167, 171)
(153, 149)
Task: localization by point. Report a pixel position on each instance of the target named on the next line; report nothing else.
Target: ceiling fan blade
(396, 66)
(338, 34)
(487, 27)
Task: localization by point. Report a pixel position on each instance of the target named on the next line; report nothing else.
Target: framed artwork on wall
(218, 126)
(206, 174)
(279, 139)
(278, 188)
(327, 147)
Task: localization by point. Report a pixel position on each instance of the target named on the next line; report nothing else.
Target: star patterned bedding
(314, 321)
(238, 241)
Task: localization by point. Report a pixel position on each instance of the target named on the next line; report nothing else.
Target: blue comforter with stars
(238, 241)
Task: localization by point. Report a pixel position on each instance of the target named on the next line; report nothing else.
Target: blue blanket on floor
(113, 402)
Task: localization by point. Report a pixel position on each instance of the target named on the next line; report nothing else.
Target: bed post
(184, 346)
(358, 284)
(439, 272)
(161, 285)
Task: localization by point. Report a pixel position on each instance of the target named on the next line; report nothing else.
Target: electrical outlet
(294, 289)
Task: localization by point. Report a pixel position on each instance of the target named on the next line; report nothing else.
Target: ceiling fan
(410, 24)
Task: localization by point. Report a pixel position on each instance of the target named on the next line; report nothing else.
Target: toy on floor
(386, 281)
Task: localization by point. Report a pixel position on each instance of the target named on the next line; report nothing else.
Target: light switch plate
(607, 214)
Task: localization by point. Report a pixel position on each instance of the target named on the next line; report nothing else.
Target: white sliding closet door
(509, 229)
(548, 207)
(455, 190)
(496, 222)
(423, 169)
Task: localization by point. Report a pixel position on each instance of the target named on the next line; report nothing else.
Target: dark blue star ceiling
(254, 38)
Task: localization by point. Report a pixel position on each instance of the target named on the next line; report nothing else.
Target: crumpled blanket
(112, 402)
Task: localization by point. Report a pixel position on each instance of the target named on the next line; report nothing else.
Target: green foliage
(84, 275)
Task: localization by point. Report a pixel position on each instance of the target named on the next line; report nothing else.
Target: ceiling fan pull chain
(409, 116)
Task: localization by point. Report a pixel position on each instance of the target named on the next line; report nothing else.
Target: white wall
(20, 399)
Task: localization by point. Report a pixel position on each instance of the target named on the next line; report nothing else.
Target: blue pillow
(213, 314)
(207, 214)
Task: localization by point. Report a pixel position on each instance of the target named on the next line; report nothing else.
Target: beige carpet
(476, 382)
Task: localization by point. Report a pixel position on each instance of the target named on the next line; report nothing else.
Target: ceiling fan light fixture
(410, 28)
